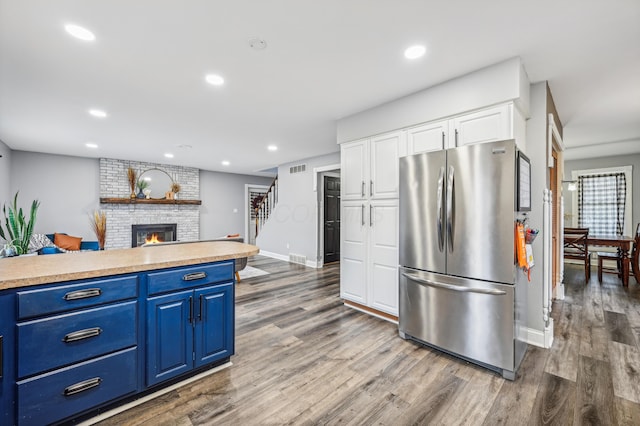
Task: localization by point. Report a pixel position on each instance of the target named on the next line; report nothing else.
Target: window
(604, 200)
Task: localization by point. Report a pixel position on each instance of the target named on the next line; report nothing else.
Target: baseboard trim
(151, 396)
(373, 312)
(274, 255)
(310, 263)
(542, 339)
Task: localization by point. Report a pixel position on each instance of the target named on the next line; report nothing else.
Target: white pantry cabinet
(369, 221)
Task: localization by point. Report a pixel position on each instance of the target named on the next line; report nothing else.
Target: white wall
(492, 85)
(5, 174)
(293, 222)
(601, 163)
(223, 204)
(67, 188)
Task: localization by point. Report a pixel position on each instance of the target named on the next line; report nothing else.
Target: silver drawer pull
(81, 386)
(454, 287)
(194, 276)
(82, 334)
(83, 294)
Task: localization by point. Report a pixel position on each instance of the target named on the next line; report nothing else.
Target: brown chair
(602, 256)
(612, 256)
(576, 248)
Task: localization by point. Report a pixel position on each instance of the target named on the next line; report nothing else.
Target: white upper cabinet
(428, 137)
(370, 167)
(488, 125)
(354, 169)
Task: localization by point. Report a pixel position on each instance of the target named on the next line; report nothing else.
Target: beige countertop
(25, 271)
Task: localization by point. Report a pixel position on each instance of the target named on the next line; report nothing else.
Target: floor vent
(297, 258)
(297, 169)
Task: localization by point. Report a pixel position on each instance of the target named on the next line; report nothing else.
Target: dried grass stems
(131, 177)
(99, 226)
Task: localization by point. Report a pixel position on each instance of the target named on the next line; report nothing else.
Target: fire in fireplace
(152, 233)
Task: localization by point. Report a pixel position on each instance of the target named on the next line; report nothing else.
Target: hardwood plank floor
(302, 357)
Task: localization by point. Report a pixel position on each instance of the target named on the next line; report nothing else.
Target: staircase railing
(267, 204)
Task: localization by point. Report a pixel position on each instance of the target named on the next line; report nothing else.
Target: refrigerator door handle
(440, 208)
(452, 287)
(451, 207)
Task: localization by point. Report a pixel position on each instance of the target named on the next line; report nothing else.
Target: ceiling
(324, 60)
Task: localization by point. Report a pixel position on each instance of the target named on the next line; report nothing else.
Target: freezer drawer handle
(82, 386)
(454, 287)
(83, 294)
(82, 334)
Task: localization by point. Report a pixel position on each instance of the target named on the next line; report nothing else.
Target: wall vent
(298, 169)
(297, 258)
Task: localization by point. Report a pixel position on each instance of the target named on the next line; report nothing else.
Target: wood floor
(304, 358)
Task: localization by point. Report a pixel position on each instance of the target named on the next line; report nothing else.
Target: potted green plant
(142, 185)
(17, 229)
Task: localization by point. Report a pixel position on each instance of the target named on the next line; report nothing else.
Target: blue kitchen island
(82, 333)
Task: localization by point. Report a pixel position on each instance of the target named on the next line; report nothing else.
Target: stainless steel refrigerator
(460, 290)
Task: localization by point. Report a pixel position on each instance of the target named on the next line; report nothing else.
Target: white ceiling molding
(608, 149)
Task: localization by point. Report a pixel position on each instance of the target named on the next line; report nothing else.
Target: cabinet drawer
(189, 277)
(62, 393)
(60, 298)
(52, 342)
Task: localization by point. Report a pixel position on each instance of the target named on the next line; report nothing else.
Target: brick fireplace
(121, 217)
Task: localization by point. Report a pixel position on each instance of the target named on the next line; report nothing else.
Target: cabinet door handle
(363, 215)
(363, 188)
(456, 137)
(1, 361)
(370, 215)
(190, 309)
(83, 294)
(200, 315)
(82, 334)
(443, 147)
(194, 276)
(81, 386)
(371, 189)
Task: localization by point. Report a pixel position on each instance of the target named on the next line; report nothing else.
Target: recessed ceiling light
(225, 163)
(272, 148)
(91, 145)
(214, 79)
(414, 52)
(168, 155)
(98, 113)
(80, 32)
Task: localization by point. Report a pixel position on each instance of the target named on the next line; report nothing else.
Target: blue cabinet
(188, 329)
(72, 348)
(7, 358)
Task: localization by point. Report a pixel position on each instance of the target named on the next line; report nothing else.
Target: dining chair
(576, 248)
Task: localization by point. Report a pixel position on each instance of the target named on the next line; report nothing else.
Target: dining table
(622, 243)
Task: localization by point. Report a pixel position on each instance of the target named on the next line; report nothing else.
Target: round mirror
(159, 182)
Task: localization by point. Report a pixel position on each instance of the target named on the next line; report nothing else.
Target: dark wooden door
(331, 219)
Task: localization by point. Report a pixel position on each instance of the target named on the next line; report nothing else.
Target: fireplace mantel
(148, 201)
